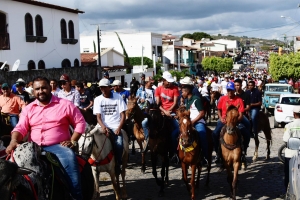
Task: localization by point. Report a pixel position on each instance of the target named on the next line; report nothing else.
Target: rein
(230, 146)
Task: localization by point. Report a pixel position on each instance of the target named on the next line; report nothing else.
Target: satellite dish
(3, 65)
(16, 65)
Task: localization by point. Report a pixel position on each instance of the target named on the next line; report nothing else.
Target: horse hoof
(254, 159)
(143, 170)
(161, 193)
(268, 157)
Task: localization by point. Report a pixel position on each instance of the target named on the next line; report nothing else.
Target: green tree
(138, 60)
(186, 35)
(217, 64)
(200, 35)
(284, 66)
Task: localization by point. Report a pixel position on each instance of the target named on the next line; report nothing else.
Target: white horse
(97, 147)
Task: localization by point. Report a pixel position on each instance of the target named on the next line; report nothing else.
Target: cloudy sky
(252, 18)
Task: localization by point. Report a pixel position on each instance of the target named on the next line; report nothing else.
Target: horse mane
(230, 108)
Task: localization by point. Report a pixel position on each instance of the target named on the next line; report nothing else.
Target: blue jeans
(216, 135)
(174, 134)
(68, 160)
(200, 128)
(254, 115)
(245, 131)
(14, 119)
(145, 127)
(118, 139)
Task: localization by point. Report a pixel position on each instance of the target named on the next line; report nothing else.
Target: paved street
(261, 180)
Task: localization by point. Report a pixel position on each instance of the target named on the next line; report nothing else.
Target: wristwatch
(74, 143)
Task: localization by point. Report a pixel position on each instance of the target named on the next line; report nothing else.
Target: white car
(283, 112)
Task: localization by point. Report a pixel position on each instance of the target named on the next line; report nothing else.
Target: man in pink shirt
(48, 119)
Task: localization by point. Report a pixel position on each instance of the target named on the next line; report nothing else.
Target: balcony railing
(4, 41)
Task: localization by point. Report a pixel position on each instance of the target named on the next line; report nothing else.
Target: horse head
(133, 111)
(185, 127)
(86, 141)
(232, 115)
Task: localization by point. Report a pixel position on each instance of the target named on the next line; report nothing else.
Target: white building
(136, 44)
(231, 44)
(40, 35)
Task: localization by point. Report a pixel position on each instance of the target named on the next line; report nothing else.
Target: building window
(65, 63)
(63, 29)
(28, 24)
(41, 64)
(71, 29)
(76, 63)
(31, 65)
(86, 50)
(39, 26)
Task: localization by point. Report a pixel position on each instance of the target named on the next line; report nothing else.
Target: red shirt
(235, 101)
(166, 96)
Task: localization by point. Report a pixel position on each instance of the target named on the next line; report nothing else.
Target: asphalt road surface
(262, 179)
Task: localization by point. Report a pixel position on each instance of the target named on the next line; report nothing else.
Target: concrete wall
(52, 52)
(132, 42)
(75, 73)
(231, 44)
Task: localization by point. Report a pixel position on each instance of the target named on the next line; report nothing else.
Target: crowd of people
(48, 107)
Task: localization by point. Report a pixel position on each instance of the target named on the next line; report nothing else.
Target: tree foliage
(180, 74)
(196, 35)
(284, 66)
(138, 61)
(217, 64)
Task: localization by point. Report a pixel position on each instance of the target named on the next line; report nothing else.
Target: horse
(207, 109)
(5, 128)
(159, 138)
(88, 116)
(98, 149)
(135, 115)
(181, 113)
(44, 178)
(214, 97)
(231, 141)
(189, 152)
(263, 125)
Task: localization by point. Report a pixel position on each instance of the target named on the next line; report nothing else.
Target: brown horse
(89, 117)
(189, 158)
(135, 114)
(214, 96)
(231, 141)
(263, 125)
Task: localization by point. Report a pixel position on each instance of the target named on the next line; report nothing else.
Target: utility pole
(99, 49)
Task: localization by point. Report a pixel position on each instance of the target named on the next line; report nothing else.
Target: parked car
(283, 112)
(272, 93)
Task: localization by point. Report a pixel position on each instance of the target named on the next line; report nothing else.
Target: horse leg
(162, 173)
(256, 148)
(198, 175)
(123, 174)
(96, 175)
(235, 179)
(115, 182)
(143, 167)
(229, 177)
(269, 140)
(133, 147)
(154, 171)
(193, 181)
(184, 176)
(167, 169)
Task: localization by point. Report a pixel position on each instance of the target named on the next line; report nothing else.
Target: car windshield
(290, 100)
(279, 89)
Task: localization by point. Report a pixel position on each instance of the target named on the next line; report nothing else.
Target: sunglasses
(5, 88)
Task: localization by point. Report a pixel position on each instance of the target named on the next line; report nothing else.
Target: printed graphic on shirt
(165, 97)
(109, 109)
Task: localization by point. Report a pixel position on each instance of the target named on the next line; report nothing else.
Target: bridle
(87, 154)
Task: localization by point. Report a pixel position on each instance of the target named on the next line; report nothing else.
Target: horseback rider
(110, 110)
(118, 88)
(229, 99)
(195, 106)
(10, 105)
(67, 91)
(166, 96)
(290, 130)
(255, 104)
(48, 119)
(246, 131)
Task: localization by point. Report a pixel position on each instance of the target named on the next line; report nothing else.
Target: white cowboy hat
(104, 82)
(168, 76)
(186, 81)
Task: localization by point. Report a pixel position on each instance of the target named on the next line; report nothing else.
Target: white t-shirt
(244, 85)
(149, 95)
(203, 91)
(215, 86)
(224, 84)
(110, 109)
